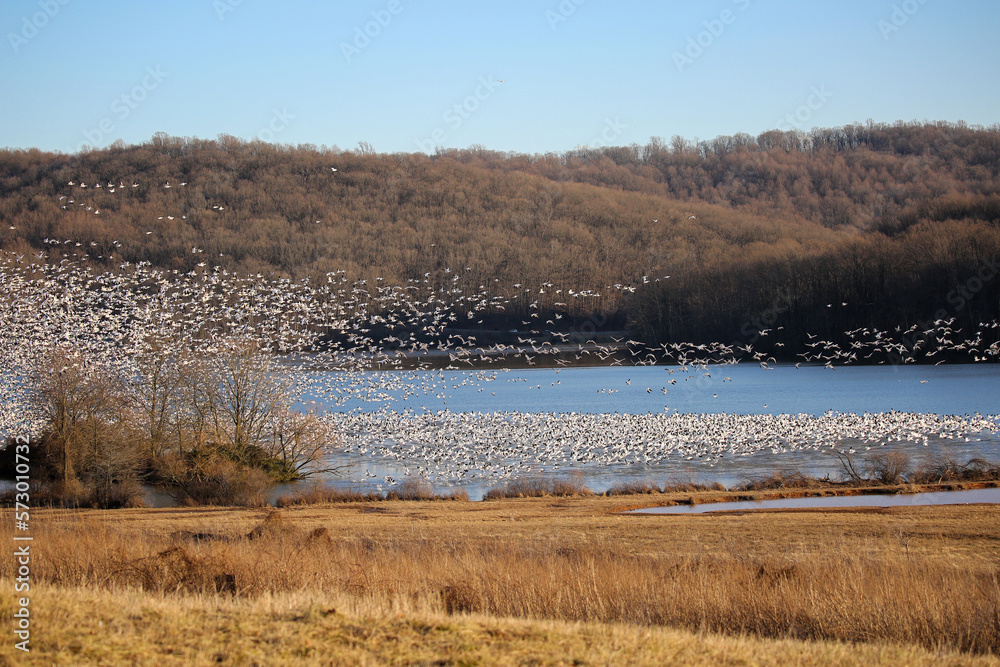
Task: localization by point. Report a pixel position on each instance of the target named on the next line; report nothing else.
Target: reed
(539, 487)
(408, 489)
(130, 626)
(851, 580)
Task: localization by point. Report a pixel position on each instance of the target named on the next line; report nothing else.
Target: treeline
(261, 208)
(736, 222)
(206, 428)
(929, 294)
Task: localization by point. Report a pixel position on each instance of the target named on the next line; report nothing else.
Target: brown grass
(949, 470)
(636, 487)
(76, 626)
(633, 487)
(782, 479)
(539, 487)
(914, 576)
(408, 489)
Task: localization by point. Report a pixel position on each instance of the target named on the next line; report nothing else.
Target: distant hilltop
(711, 239)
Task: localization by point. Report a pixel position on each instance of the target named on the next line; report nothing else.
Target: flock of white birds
(486, 448)
(329, 333)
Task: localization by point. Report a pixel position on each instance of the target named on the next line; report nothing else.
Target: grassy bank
(913, 577)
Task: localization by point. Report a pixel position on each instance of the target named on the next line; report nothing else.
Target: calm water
(902, 500)
(741, 389)
(734, 389)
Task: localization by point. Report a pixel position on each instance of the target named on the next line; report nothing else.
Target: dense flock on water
(455, 447)
(326, 334)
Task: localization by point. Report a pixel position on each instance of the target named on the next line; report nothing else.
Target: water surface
(743, 389)
(991, 496)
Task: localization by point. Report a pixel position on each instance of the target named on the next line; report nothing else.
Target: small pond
(895, 500)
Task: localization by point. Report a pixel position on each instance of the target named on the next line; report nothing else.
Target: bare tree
(158, 394)
(90, 436)
(847, 463)
(299, 442)
(243, 393)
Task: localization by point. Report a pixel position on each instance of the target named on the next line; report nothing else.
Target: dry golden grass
(912, 577)
(111, 627)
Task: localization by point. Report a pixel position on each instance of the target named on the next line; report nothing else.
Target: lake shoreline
(746, 501)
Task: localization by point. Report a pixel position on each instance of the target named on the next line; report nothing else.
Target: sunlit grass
(80, 625)
(913, 577)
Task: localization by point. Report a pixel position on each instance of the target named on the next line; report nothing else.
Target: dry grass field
(547, 580)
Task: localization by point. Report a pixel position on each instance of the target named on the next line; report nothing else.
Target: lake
(606, 425)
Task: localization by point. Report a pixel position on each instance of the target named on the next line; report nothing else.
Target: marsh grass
(885, 586)
(945, 469)
(633, 487)
(637, 487)
(129, 626)
(408, 489)
(782, 479)
(539, 487)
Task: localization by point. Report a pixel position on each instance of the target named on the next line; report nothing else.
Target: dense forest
(820, 233)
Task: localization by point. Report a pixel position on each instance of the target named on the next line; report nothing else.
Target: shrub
(632, 487)
(316, 494)
(778, 480)
(126, 493)
(412, 488)
(888, 467)
(537, 487)
(949, 470)
(215, 480)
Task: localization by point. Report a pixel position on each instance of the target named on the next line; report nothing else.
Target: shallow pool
(895, 500)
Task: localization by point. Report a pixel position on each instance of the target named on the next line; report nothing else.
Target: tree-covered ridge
(890, 220)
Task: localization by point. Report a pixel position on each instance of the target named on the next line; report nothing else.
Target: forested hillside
(864, 225)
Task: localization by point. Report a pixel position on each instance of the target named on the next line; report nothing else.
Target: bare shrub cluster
(217, 428)
(408, 489)
(631, 487)
(537, 487)
(949, 470)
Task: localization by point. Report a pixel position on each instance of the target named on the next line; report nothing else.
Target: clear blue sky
(575, 72)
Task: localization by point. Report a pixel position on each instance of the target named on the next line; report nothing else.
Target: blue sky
(408, 75)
